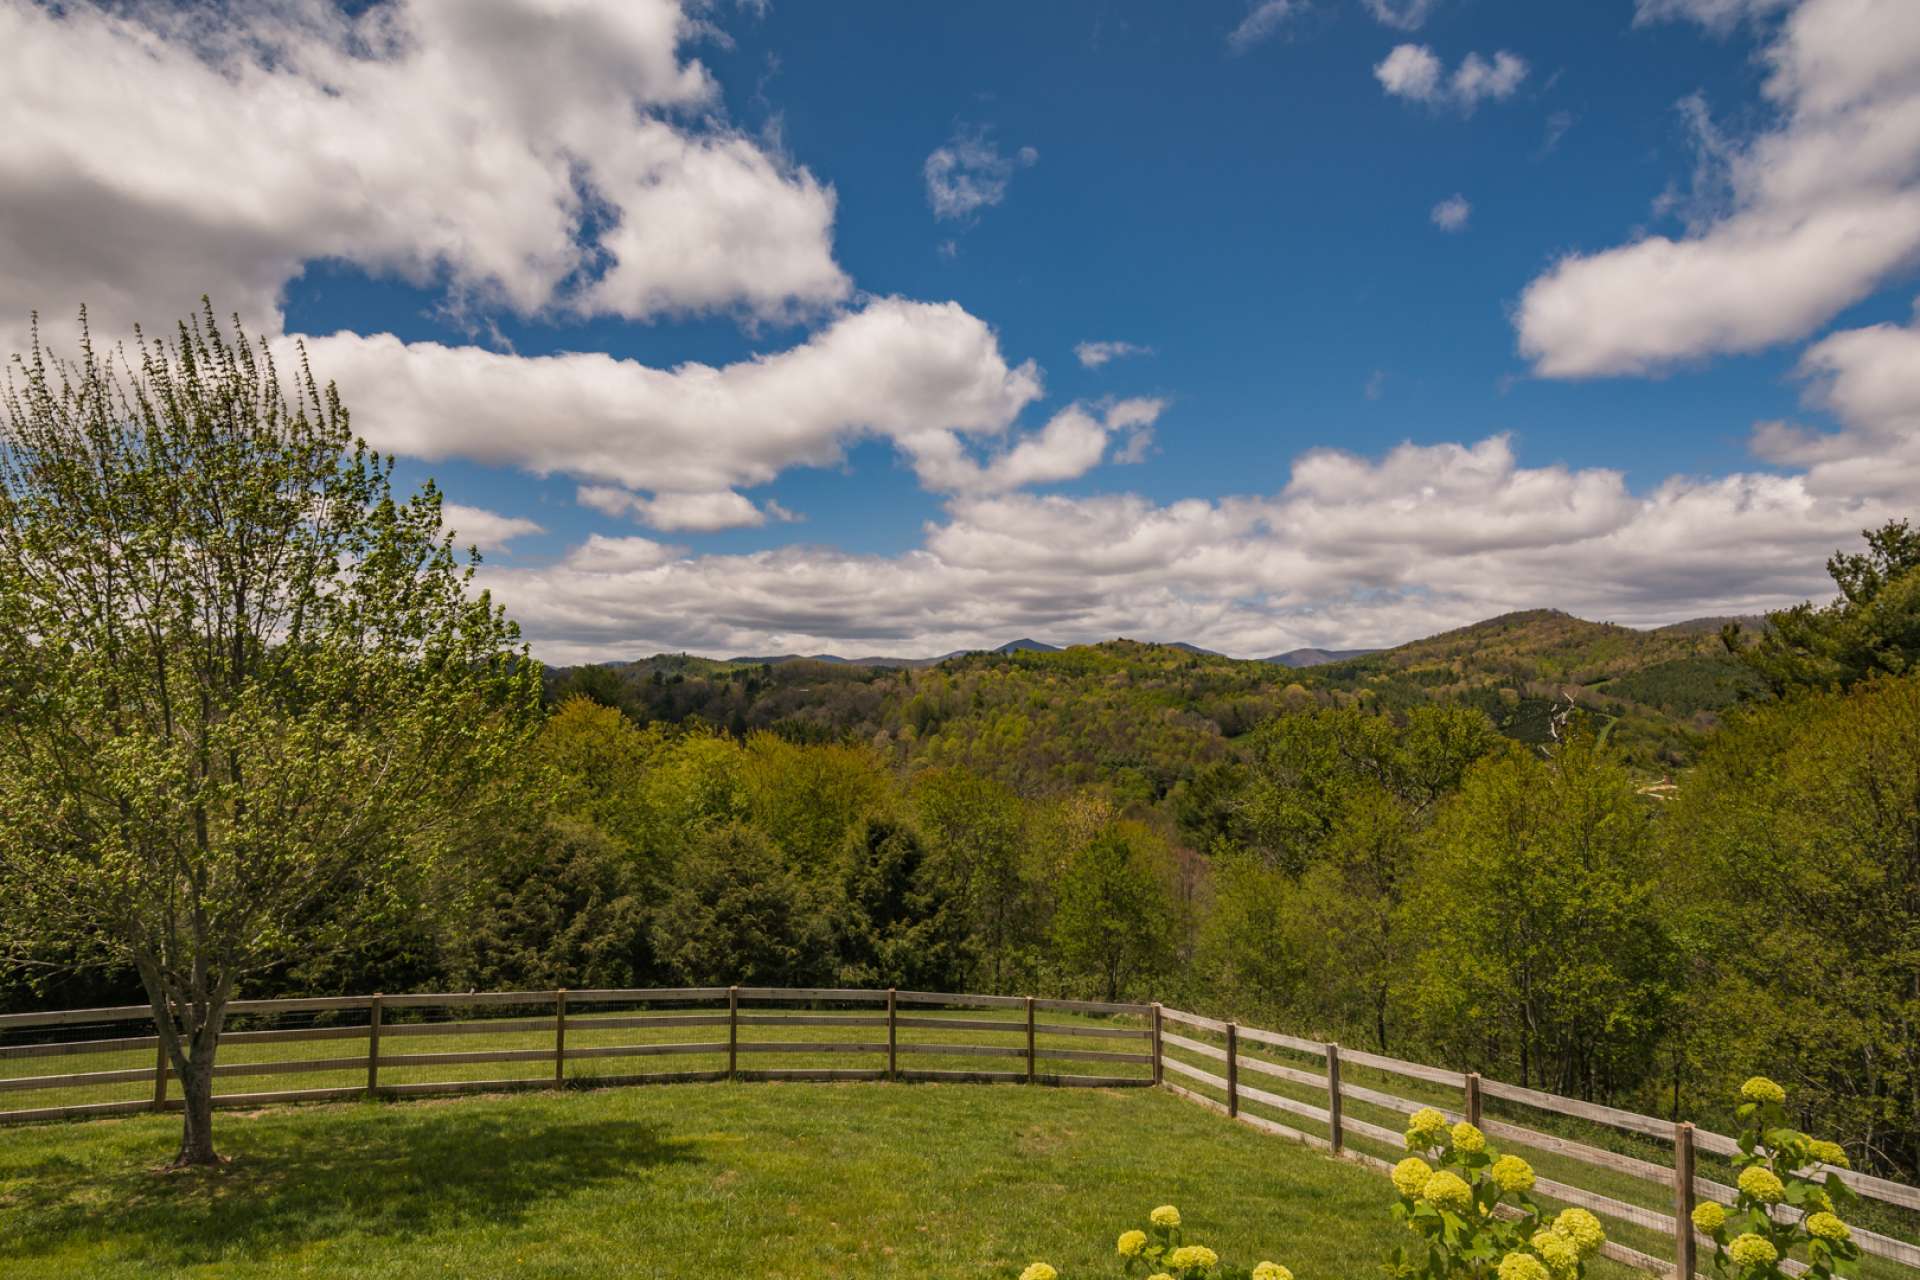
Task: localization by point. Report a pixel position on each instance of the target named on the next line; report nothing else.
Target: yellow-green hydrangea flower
(1709, 1216)
(1558, 1251)
(1817, 1199)
(1410, 1176)
(1271, 1271)
(1750, 1250)
(1192, 1257)
(1829, 1153)
(1165, 1216)
(1511, 1173)
(1039, 1271)
(1523, 1266)
(1583, 1229)
(1827, 1227)
(1763, 1184)
(1131, 1243)
(1428, 1124)
(1448, 1191)
(1159, 1275)
(1761, 1089)
(1469, 1139)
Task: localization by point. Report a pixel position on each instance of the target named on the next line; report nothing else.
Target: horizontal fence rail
(57, 1065)
(1306, 1090)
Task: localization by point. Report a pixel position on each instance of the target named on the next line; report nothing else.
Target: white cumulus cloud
(154, 153)
(920, 374)
(487, 530)
(1806, 218)
(1352, 550)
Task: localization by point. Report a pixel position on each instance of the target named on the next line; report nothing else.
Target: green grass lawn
(763, 1180)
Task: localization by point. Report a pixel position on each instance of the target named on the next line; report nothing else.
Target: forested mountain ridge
(1043, 719)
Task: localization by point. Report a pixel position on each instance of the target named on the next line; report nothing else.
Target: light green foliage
(1113, 925)
(1784, 1205)
(809, 799)
(1541, 929)
(976, 830)
(1336, 802)
(246, 688)
(596, 764)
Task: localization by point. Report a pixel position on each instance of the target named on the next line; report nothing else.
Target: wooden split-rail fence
(1305, 1090)
(1308, 1091)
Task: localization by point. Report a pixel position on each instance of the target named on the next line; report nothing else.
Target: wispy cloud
(1095, 354)
(1401, 15)
(970, 173)
(1452, 213)
(1262, 21)
(1416, 73)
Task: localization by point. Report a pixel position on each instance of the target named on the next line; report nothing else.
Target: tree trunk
(196, 1132)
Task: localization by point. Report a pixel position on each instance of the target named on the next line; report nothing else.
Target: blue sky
(1656, 363)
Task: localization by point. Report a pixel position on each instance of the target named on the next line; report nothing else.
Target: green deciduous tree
(976, 830)
(1541, 945)
(243, 687)
(1113, 920)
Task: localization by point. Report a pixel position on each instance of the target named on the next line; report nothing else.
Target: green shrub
(1783, 1199)
(1469, 1206)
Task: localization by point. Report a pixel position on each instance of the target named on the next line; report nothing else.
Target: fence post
(560, 1038)
(1473, 1098)
(1336, 1132)
(733, 1032)
(1686, 1249)
(1030, 1055)
(374, 1011)
(893, 1043)
(1159, 1072)
(159, 1070)
(1233, 1068)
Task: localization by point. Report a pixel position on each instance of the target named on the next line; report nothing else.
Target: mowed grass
(765, 1180)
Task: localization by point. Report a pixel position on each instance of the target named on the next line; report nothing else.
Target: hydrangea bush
(1469, 1207)
(1781, 1203)
(1159, 1252)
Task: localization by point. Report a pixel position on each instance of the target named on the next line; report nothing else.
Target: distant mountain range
(1022, 645)
(1296, 658)
(1317, 657)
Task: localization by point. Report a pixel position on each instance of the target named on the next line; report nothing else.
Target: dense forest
(1626, 865)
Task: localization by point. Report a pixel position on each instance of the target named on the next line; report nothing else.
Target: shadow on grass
(294, 1179)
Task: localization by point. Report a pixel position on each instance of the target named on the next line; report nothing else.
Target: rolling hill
(1143, 716)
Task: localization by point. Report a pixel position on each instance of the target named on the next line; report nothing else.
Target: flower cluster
(1786, 1195)
(1159, 1250)
(1470, 1207)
